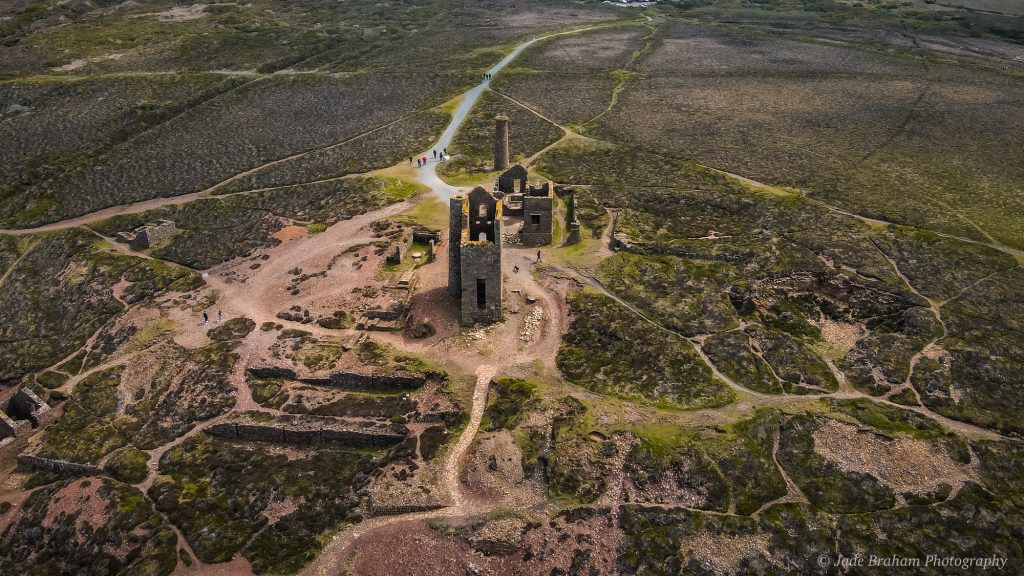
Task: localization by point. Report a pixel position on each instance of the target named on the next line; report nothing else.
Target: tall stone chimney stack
(501, 142)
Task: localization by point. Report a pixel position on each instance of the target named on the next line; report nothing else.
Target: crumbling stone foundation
(145, 236)
(22, 413)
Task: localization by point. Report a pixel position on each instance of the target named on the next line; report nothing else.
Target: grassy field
(570, 79)
(848, 125)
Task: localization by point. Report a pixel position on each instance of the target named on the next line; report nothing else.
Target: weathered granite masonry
(21, 414)
(572, 220)
(309, 430)
(398, 381)
(145, 236)
(534, 202)
(28, 463)
(500, 142)
(538, 206)
(474, 273)
(513, 180)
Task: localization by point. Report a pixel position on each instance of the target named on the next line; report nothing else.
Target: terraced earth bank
(788, 334)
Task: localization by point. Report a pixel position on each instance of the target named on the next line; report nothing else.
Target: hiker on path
(410, 160)
(435, 154)
(220, 317)
(418, 163)
(206, 317)
(538, 255)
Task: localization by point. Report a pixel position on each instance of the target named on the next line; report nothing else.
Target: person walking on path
(418, 163)
(538, 255)
(220, 317)
(206, 317)
(410, 160)
(435, 154)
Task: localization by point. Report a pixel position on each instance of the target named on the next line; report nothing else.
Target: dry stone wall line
(28, 463)
(285, 434)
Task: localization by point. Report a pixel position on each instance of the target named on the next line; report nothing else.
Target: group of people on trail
(422, 161)
(206, 317)
(487, 77)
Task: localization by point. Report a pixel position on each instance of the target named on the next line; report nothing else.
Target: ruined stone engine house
(474, 255)
(533, 202)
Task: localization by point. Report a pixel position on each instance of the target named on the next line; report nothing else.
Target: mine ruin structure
(533, 202)
(20, 414)
(148, 235)
(474, 255)
(500, 142)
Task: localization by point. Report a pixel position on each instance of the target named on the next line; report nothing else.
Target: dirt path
(336, 554)
(93, 217)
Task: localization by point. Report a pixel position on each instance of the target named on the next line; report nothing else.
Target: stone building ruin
(474, 255)
(148, 235)
(22, 413)
(533, 202)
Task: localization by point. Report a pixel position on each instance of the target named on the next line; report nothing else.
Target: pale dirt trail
(93, 217)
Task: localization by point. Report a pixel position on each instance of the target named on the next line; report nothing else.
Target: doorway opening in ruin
(19, 410)
(535, 219)
(481, 293)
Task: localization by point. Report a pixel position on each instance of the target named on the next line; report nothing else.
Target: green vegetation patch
(826, 485)
(611, 351)
(95, 513)
(715, 470)
(686, 296)
(380, 148)
(578, 465)
(161, 394)
(267, 392)
(60, 293)
(90, 427)
(511, 399)
(975, 374)
(129, 465)
(732, 355)
(229, 498)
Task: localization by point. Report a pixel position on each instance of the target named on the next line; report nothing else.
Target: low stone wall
(272, 372)
(396, 509)
(310, 433)
(27, 463)
(398, 381)
(391, 314)
(348, 380)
